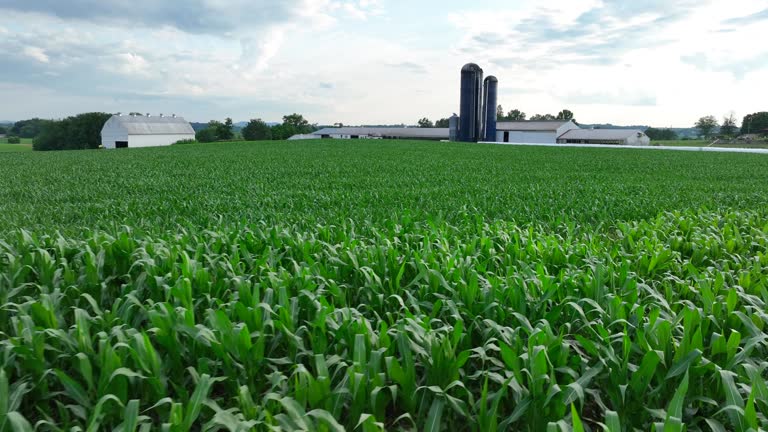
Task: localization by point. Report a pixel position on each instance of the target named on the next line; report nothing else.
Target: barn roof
(434, 133)
(141, 125)
(531, 125)
(601, 134)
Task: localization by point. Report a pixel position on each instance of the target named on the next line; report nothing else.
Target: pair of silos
(477, 110)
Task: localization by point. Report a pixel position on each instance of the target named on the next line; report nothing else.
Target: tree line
(756, 123)
(79, 132)
(518, 115)
(256, 129)
(83, 131)
(512, 115)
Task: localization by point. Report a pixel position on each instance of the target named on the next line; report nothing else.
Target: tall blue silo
(490, 99)
(470, 109)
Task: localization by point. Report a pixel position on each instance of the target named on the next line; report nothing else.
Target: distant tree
(14, 140)
(661, 134)
(706, 126)
(540, 117)
(755, 123)
(284, 131)
(515, 115)
(499, 112)
(565, 115)
(442, 123)
(82, 131)
(225, 131)
(257, 130)
(425, 123)
(207, 135)
(136, 114)
(216, 131)
(339, 124)
(729, 127)
(299, 124)
(28, 128)
(3, 130)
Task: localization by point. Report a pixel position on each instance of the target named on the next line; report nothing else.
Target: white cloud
(36, 53)
(129, 64)
(657, 62)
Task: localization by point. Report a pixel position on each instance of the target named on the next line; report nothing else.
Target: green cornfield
(383, 285)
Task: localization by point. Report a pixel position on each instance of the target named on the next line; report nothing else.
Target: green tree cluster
(257, 130)
(565, 115)
(14, 140)
(426, 123)
(729, 127)
(82, 131)
(28, 128)
(216, 131)
(661, 134)
(512, 115)
(755, 123)
(517, 115)
(707, 126)
(293, 124)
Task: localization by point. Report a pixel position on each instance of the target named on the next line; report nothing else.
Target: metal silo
(490, 98)
(453, 128)
(470, 109)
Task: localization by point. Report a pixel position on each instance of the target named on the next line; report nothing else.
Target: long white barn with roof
(513, 132)
(144, 131)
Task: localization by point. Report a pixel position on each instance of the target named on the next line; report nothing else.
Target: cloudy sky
(657, 62)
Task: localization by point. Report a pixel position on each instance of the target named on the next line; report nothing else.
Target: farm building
(435, 134)
(144, 131)
(632, 137)
(514, 132)
(533, 131)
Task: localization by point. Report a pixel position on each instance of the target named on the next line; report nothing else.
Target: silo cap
(491, 78)
(471, 67)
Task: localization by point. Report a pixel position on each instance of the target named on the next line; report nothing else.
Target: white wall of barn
(108, 138)
(527, 137)
(137, 141)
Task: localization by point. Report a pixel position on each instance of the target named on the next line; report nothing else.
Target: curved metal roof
(141, 125)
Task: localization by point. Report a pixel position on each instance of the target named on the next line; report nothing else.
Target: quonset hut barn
(144, 131)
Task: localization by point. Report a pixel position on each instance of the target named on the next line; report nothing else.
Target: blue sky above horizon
(663, 63)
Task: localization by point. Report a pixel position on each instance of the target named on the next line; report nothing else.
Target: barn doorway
(121, 144)
(506, 136)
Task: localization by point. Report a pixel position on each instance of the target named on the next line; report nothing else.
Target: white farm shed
(533, 131)
(630, 137)
(435, 134)
(144, 131)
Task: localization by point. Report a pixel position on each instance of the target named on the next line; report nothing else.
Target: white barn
(533, 131)
(435, 134)
(144, 131)
(630, 137)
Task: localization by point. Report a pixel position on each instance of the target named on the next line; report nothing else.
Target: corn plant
(369, 296)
